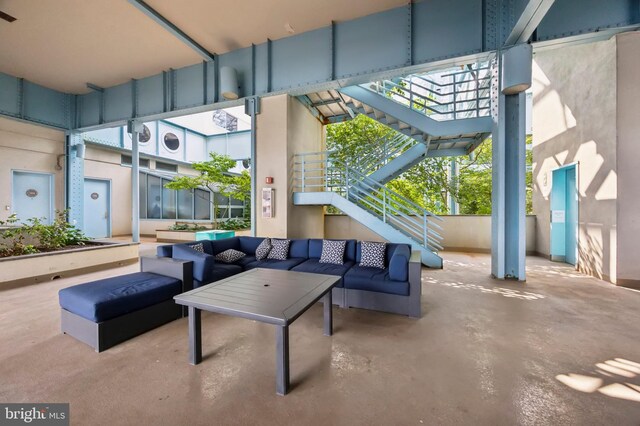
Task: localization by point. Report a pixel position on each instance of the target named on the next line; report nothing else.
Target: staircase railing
(319, 172)
(383, 153)
(443, 95)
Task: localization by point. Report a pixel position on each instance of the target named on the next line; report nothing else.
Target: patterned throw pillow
(279, 249)
(197, 247)
(333, 252)
(372, 254)
(230, 256)
(263, 249)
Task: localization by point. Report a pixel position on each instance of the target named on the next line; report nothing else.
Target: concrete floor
(562, 349)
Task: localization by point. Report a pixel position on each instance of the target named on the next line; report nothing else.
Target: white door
(97, 208)
(32, 196)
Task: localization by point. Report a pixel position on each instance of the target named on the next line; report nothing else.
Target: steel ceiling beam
(173, 29)
(533, 13)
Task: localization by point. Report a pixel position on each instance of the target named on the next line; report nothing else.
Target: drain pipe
(252, 109)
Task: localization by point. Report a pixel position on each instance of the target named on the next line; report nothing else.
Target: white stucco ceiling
(64, 44)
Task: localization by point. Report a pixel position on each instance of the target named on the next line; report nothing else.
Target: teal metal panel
(571, 244)
(153, 101)
(291, 68)
(374, 43)
(189, 83)
(10, 99)
(90, 105)
(447, 28)
(558, 213)
(46, 106)
(118, 102)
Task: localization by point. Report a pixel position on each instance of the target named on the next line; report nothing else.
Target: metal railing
(443, 95)
(320, 172)
(383, 152)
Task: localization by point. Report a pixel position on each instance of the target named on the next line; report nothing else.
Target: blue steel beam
(533, 13)
(169, 26)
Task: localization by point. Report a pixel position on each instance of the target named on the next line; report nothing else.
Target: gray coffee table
(268, 295)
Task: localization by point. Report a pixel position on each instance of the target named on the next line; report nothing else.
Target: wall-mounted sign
(267, 202)
(557, 216)
(31, 193)
(95, 196)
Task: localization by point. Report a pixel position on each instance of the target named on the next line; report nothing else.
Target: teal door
(32, 196)
(564, 215)
(97, 208)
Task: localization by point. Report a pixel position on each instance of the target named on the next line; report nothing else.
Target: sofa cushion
(218, 246)
(374, 279)
(315, 249)
(399, 263)
(219, 272)
(249, 245)
(275, 264)
(112, 297)
(299, 248)
(203, 263)
(333, 252)
(244, 261)
(230, 256)
(372, 254)
(314, 266)
(279, 249)
(262, 251)
(165, 250)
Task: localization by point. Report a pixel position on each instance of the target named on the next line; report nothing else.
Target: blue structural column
(74, 178)
(508, 244)
(453, 181)
(252, 109)
(135, 127)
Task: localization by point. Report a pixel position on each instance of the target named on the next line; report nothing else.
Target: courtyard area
(560, 349)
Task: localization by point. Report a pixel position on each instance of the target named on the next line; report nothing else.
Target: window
(185, 204)
(202, 205)
(144, 136)
(223, 119)
(154, 197)
(125, 160)
(171, 142)
(166, 167)
(168, 201)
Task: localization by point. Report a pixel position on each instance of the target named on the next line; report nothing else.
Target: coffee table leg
(195, 336)
(328, 313)
(282, 360)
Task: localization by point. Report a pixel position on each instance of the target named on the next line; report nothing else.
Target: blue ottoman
(106, 312)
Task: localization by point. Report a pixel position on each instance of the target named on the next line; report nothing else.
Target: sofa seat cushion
(219, 272)
(374, 279)
(244, 261)
(314, 266)
(113, 297)
(275, 264)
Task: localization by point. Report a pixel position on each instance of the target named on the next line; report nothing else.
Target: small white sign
(557, 216)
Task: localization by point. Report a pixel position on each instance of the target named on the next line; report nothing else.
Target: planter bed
(41, 267)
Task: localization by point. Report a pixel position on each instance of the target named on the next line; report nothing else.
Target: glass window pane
(143, 196)
(154, 197)
(185, 204)
(236, 202)
(236, 212)
(168, 201)
(202, 205)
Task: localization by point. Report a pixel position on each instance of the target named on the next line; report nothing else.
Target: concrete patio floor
(562, 349)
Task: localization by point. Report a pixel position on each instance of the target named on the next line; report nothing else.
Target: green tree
(214, 175)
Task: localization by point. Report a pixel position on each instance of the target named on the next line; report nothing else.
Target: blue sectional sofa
(396, 288)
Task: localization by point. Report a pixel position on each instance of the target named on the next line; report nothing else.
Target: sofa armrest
(415, 283)
(399, 264)
(175, 268)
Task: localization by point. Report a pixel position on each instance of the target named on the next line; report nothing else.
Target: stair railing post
(410, 93)
(455, 97)
(326, 172)
(478, 92)
(346, 179)
(303, 167)
(384, 206)
(424, 229)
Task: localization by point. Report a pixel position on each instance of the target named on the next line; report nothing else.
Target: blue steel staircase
(320, 179)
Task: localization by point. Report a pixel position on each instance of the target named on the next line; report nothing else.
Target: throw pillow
(372, 254)
(333, 252)
(262, 251)
(198, 247)
(279, 249)
(230, 256)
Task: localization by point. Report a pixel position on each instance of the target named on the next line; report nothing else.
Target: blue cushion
(315, 249)
(275, 264)
(112, 297)
(390, 250)
(219, 272)
(399, 264)
(314, 266)
(218, 246)
(164, 251)
(249, 245)
(299, 248)
(374, 279)
(203, 263)
(243, 262)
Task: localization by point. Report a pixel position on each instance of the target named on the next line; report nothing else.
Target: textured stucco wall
(27, 147)
(574, 121)
(628, 155)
